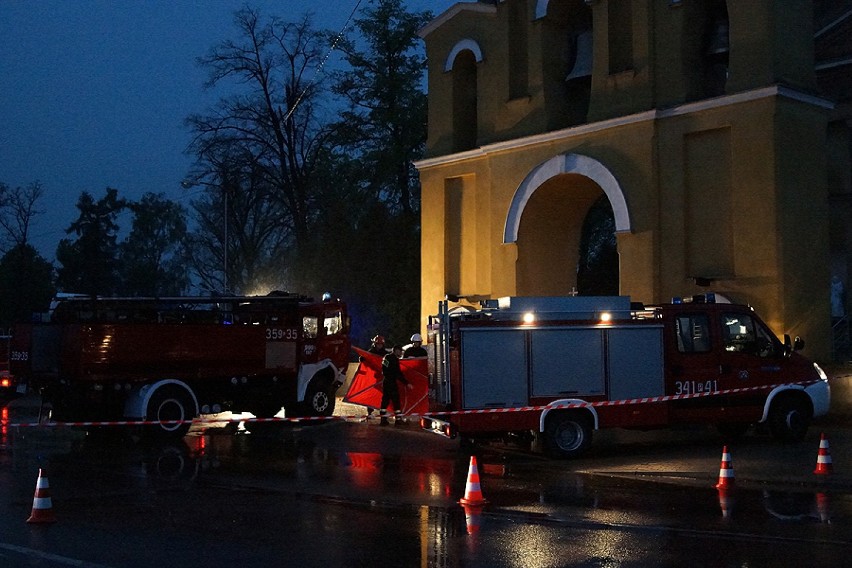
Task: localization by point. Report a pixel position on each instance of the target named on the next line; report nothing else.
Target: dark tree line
(303, 174)
(26, 279)
(150, 261)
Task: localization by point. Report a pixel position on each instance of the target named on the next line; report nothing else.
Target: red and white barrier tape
(645, 400)
(198, 421)
(202, 421)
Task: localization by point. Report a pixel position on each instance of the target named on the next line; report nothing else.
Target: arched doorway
(563, 218)
(562, 239)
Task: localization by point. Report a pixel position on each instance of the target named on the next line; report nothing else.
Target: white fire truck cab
(562, 367)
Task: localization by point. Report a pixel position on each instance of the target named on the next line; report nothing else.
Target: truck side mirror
(794, 345)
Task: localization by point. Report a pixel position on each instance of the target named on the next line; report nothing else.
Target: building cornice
(633, 119)
(450, 12)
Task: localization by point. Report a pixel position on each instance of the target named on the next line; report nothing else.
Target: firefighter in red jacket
(391, 373)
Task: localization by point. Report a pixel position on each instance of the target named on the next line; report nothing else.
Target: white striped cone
(42, 505)
(726, 471)
(823, 465)
(472, 490)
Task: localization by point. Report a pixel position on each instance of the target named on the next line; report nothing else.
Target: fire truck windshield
(742, 334)
(333, 322)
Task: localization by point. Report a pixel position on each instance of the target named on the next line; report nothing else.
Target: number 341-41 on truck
(560, 368)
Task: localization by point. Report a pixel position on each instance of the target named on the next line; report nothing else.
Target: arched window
(465, 124)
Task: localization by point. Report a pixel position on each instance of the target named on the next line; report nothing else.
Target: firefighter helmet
(378, 339)
(417, 337)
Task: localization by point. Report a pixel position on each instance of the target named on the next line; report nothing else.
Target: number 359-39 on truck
(560, 368)
(167, 360)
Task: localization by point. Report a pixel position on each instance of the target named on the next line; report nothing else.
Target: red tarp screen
(366, 386)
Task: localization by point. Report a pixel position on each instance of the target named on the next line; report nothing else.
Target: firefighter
(378, 346)
(391, 373)
(416, 348)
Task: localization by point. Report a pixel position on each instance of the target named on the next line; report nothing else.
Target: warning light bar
(708, 298)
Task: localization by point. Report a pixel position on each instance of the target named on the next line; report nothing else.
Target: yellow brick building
(702, 122)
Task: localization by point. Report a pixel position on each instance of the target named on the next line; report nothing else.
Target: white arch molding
(567, 164)
(465, 44)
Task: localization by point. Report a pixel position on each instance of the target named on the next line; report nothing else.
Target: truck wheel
(170, 403)
(789, 419)
(567, 435)
(319, 400)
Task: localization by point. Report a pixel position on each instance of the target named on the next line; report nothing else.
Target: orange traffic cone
(472, 518)
(726, 471)
(472, 491)
(823, 466)
(42, 505)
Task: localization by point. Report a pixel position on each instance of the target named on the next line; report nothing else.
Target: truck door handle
(724, 369)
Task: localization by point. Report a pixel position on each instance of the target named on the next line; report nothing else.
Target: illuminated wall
(702, 130)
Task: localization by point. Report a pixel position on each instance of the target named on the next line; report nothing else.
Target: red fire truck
(9, 388)
(168, 359)
(559, 368)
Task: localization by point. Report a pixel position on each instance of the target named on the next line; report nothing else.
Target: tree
(597, 270)
(18, 208)
(152, 257)
(90, 262)
(273, 123)
(371, 190)
(239, 245)
(385, 122)
(26, 284)
(315, 202)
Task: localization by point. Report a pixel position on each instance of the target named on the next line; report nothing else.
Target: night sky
(93, 94)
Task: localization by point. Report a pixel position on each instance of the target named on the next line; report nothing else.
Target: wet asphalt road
(356, 494)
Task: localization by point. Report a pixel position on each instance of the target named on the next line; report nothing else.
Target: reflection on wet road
(356, 494)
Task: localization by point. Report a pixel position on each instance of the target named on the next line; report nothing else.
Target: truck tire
(319, 399)
(170, 403)
(789, 419)
(567, 435)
